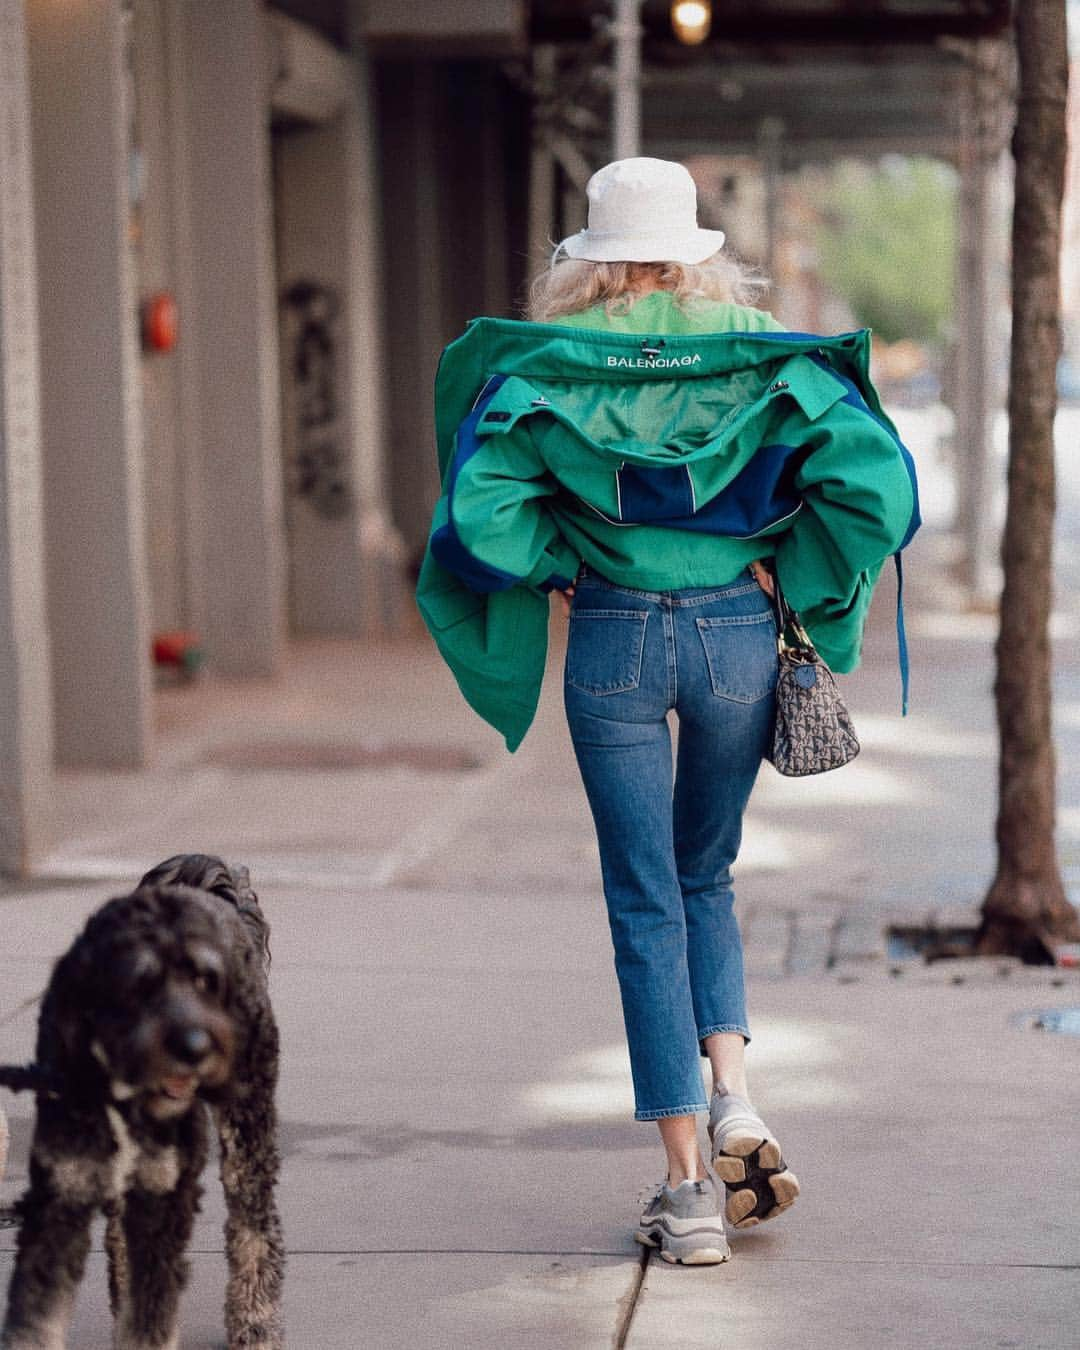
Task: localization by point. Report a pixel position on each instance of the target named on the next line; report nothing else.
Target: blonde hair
(569, 285)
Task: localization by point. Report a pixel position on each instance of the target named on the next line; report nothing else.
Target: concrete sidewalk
(461, 1168)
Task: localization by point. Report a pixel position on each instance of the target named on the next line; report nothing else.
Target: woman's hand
(764, 579)
(564, 598)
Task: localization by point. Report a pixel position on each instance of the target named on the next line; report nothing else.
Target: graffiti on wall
(318, 471)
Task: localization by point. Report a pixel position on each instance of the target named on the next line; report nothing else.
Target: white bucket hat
(642, 210)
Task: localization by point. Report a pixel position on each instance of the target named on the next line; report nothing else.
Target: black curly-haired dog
(157, 1012)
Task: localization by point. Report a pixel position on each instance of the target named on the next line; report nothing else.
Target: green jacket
(663, 461)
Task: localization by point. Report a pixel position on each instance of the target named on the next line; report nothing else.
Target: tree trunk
(1026, 911)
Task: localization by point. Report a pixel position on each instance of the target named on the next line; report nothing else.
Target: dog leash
(28, 1078)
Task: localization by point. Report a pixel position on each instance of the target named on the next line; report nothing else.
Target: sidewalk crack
(628, 1303)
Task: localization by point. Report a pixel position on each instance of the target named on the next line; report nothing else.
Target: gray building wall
(154, 497)
(91, 422)
(166, 434)
(241, 538)
(324, 573)
(453, 163)
(25, 681)
(344, 557)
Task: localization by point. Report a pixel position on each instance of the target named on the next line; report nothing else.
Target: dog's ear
(245, 971)
(249, 1007)
(247, 902)
(64, 1030)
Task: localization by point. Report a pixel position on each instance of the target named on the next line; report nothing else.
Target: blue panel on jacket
(856, 400)
(647, 494)
(449, 552)
(446, 546)
(762, 494)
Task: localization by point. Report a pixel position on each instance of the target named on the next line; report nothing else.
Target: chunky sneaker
(685, 1222)
(747, 1159)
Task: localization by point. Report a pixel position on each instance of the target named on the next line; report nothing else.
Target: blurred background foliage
(886, 242)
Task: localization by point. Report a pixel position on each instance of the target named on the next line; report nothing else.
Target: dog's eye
(205, 969)
(207, 981)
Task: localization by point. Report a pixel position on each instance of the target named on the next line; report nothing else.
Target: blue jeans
(666, 850)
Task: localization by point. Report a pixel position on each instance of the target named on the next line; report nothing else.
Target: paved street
(461, 1168)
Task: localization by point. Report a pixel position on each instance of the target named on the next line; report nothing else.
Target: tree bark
(1026, 911)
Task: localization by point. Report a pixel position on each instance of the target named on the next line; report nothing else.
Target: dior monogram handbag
(814, 732)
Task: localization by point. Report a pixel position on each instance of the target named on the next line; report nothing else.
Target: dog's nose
(189, 1044)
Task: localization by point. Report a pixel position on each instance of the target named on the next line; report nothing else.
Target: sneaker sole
(759, 1183)
(681, 1250)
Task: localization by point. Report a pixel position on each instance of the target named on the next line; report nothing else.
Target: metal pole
(973, 414)
(770, 137)
(976, 396)
(541, 160)
(626, 85)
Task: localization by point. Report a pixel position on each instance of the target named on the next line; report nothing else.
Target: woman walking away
(651, 447)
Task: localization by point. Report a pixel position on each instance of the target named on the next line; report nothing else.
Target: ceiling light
(691, 20)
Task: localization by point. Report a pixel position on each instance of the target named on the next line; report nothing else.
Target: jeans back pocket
(603, 654)
(740, 650)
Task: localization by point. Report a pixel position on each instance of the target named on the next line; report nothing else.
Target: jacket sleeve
(493, 529)
(859, 505)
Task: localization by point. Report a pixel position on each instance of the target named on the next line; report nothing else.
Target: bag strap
(901, 637)
(787, 620)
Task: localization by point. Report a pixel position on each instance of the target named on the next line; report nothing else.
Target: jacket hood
(805, 365)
